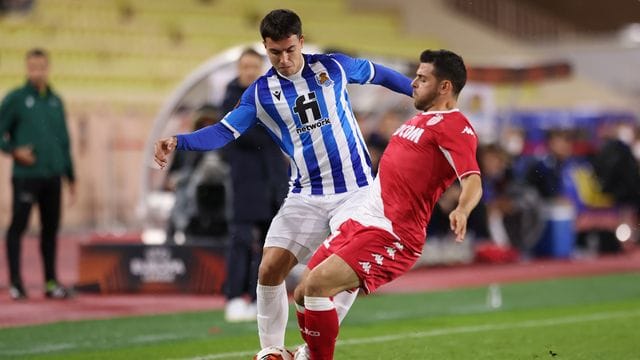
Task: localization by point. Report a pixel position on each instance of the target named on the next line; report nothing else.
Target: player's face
(37, 70)
(285, 55)
(425, 87)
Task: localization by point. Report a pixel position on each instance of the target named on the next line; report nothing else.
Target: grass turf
(582, 318)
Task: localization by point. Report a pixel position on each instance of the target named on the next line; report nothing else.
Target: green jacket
(30, 118)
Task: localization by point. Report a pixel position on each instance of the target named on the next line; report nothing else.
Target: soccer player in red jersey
(385, 238)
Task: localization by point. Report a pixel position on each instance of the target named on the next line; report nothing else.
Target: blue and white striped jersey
(309, 115)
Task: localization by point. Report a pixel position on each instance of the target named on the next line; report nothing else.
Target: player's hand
(163, 148)
(458, 223)
(24, 155)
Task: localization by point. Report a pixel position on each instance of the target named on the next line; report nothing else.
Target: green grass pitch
(582, 318)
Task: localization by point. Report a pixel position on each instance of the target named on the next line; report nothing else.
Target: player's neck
(444, 105)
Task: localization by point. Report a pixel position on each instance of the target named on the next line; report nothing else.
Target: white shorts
(304, 221)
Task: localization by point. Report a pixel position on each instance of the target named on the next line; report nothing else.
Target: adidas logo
(467, 130)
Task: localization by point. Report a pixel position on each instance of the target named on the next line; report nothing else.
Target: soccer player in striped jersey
(385, 236)
(303, 103)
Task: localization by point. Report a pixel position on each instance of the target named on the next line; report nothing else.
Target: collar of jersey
(440, 111)
(297, 75)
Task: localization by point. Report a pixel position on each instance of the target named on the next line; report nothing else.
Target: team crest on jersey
(323, 79)
(435, 119)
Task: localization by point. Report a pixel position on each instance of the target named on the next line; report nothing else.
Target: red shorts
(373, 253)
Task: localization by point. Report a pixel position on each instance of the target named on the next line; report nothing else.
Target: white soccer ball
(274, 353)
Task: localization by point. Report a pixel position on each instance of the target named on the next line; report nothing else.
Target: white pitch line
(450, 331)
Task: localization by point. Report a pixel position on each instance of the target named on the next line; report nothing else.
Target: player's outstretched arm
(469, 198)
(392, 80)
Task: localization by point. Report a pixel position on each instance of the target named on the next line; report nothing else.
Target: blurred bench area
(555, 100)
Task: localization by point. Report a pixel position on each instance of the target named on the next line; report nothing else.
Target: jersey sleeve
(358, 71)
(236, 122)
(458, 142)
(244, 115)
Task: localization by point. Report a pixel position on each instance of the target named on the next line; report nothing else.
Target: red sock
(300, 316)
(321, 327)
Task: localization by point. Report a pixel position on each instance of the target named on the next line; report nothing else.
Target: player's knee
(271, 274)
(316, 283)
(298, 294)
(275, 266)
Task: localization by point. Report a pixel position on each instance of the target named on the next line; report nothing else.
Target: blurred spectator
(616, 167)
(378, 139)
(259, 178)
(33, 130)
(551, 175)
(546, 173)
(199, 181)
(439, 224)
(513, 208)
(15, 5)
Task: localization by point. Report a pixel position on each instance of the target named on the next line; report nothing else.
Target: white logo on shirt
(409, 132)
(398, 245)
(379, 258)
(29, 101)
(366, 266)
(467, 130)
(435, 119)
(391, 251)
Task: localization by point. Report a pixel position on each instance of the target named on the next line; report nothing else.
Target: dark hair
(206, 114)
(249, 51)
(447, 65)
(280, 24)
(37, 52)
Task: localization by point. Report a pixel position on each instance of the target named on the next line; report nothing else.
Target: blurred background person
(199, 181)
(513, 207)
(33, 131)
(259, 178)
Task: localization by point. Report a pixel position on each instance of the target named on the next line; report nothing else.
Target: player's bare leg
(272, 301)
(329, 278)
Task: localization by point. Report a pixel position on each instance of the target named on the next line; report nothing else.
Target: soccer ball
(274, 353)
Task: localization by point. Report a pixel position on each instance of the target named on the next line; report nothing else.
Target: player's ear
(301, 41)
(445, 86)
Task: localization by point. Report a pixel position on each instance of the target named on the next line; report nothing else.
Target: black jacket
(258, 168)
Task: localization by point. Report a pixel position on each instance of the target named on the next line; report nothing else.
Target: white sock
(318, 303)
(343, 302)
(273, 313)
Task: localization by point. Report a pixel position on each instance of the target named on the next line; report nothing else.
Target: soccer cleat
(302, 353)
(274, 353)
(17, 292)
(56, 291)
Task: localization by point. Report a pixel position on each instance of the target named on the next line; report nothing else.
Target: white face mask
(514, 145)
(625, 134)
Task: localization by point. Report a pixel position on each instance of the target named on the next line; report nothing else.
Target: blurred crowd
(569, 193)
